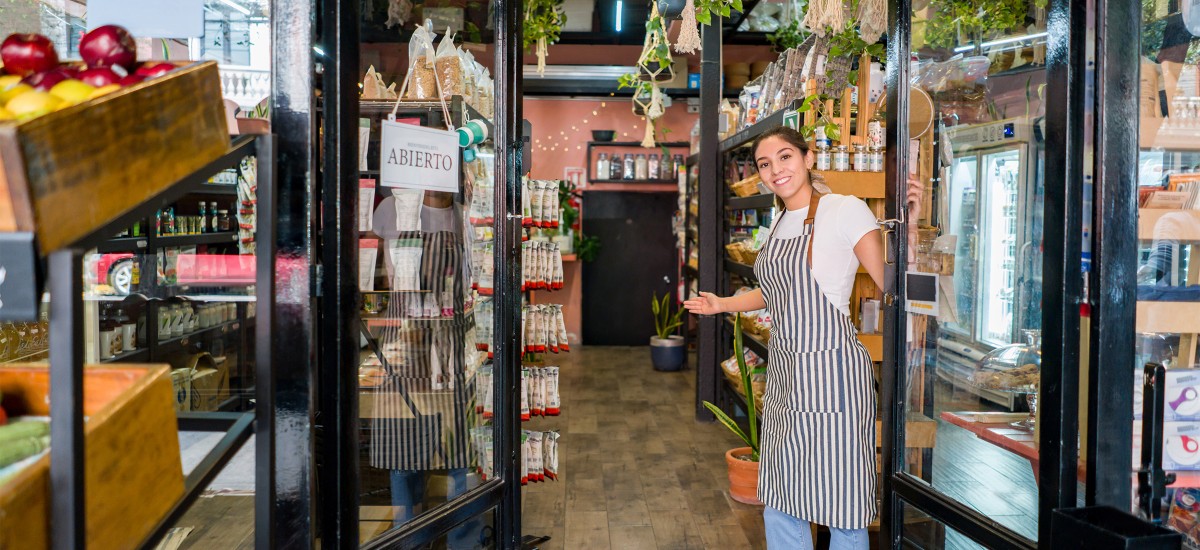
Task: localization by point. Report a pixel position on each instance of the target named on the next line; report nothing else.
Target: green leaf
(704, 17)
(737, 5)
(833, 132)
(654, 305)
(729, 423)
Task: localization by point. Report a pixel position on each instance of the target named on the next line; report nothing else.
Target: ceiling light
(620, 8)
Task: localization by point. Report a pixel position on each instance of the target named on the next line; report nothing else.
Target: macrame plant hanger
(689, 32)
(652, 106)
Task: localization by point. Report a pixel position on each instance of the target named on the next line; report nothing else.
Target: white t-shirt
(841, 222)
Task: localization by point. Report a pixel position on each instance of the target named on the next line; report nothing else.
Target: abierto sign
(416, 157)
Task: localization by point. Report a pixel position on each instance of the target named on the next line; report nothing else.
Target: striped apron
(818, 430)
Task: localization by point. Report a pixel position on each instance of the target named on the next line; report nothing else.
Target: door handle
(889, 227)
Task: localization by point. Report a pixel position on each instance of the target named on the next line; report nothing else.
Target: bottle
(170, 222)
(875, 129)
(106, 338)
(214, 221)
(653, 170)
(602, 167)
(629, 171)
(615, 168)
(128, 331)
(203, 217)
(677, 165)
(639, 168)
(224, 220)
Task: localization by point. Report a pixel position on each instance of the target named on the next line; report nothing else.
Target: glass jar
(106, 339)
(226, 223)
(1015, 368)
(628, 165)
(875, 159)
(602, 166)
(861, 164)
(823, 162)
(616, 168)
(639, 168)
(840, 159)
(653, 170)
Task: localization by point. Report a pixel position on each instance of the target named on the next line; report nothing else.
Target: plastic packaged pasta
(421, 82)
(449, 66)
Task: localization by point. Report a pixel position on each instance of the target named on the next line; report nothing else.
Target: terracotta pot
(743, 477)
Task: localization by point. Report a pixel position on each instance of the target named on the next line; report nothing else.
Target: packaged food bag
(421, 82)
(449, 66)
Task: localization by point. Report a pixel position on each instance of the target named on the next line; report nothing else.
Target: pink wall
(562, 128)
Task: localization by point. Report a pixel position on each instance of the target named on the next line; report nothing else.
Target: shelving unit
(657, 149)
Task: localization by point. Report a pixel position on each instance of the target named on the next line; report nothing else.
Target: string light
(603, 104)
(594, 113)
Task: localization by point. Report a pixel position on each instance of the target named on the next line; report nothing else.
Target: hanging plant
(816, 103)
(655, 62)
(543, 24)
(972, 20)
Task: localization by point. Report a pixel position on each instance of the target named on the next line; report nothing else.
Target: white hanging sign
(416, 157)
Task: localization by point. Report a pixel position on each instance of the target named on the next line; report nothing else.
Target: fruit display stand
(65, 174)
(69, 180)
(126, 406)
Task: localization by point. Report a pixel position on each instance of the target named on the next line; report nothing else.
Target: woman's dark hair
(793, 137)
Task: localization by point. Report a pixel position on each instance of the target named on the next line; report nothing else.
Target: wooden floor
(636, 471)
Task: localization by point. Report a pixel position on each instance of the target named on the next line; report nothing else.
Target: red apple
(43, 81)
(152, 69)
(99, 76)
(25, 54)
(107, 46)
(131, 80)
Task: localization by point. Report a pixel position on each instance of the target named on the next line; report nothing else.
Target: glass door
(963, 427)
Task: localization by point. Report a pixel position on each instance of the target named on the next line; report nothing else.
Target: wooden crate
(134, 475)
(65, 174)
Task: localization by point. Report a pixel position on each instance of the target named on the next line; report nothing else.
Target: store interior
(411, 310)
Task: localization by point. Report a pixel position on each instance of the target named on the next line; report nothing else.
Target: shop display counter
(133, 471)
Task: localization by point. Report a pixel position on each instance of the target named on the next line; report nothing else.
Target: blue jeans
(788, 532)
(408, 492)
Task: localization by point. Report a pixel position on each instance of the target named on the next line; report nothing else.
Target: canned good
(875, 159)
(840, 159)
(861, 163)
(822, 158)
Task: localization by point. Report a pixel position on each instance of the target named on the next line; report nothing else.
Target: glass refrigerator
(991, 218)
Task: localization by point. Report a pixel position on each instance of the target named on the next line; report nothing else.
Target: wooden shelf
(873, 342)
(742, 270)
(634, 187)
(1171, 317)
(1188, 230)
(864, 185)
(672, 182)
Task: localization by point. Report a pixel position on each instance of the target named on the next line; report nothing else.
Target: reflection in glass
(979, 228)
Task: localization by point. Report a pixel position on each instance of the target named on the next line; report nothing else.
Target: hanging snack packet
(526, 202)
(556, 202)
(524, 266)
(535, 392)
(558, 278)
(544, 321)
(546, 271)
(486, 391)
(549, 203)
(481, 388)
(525, 394)
(552, 333)
(537, 190)
(448, 64)
(553, 403)
(524, 457)
(562, 328)
(421, 81)
(550, 460)
(524, 331)
(535, 457)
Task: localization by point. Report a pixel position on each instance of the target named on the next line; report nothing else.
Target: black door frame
(326, 34)
(1062, 289)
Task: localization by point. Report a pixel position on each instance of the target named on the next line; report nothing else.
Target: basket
(747, 187)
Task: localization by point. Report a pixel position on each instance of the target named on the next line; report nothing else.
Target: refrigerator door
(962, 222)
(1003, 176)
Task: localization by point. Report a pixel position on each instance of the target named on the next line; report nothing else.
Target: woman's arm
(711, 304)
(869, 251)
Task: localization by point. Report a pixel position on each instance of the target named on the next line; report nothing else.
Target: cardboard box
(210, 388)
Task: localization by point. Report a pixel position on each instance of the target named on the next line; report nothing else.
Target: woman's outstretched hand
(706, 304)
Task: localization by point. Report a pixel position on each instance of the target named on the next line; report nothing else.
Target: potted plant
(667, 351)
(654, 64)
(541, 27)
(742, 461)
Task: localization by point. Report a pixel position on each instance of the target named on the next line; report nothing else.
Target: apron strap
(812, 215)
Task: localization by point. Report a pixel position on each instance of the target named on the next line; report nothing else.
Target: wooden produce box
(65, 174)
(134, 475)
